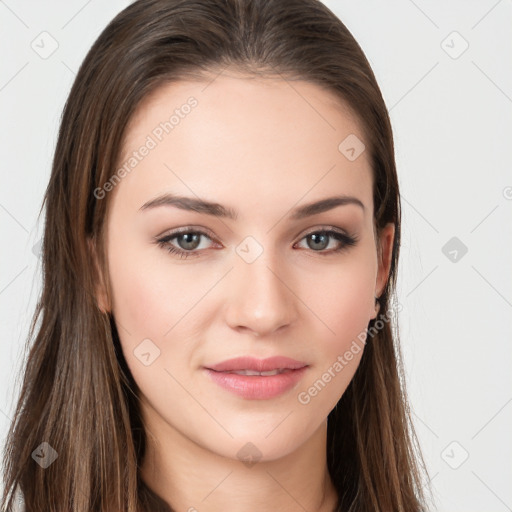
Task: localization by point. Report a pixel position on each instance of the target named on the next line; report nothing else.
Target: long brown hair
(77, 393)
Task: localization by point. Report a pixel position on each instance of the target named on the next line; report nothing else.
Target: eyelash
(347, 242)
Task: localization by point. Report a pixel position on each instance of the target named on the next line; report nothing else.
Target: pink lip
(257, 387)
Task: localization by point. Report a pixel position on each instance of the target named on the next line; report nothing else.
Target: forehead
(249, 138)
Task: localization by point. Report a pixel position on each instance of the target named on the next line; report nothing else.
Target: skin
(263, 148)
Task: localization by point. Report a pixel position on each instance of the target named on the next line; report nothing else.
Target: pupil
(190, 238)
(315, 238)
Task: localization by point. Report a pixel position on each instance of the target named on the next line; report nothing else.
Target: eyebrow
(217, 210)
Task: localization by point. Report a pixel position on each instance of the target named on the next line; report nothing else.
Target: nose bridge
(260, 299)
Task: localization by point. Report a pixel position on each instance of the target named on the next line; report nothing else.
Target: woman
(220, 252)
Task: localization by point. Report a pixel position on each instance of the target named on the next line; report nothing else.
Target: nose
(260, 297)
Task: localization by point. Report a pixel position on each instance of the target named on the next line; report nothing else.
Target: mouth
(257, 385)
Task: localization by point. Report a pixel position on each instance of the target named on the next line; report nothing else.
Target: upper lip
(257, 365)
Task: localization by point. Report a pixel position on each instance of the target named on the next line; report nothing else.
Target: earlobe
(100, 292)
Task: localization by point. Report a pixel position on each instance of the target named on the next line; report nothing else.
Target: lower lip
(257, 387)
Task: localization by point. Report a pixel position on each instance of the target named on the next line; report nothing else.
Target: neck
(192, 478)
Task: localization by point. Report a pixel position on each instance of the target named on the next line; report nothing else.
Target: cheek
(153, 307)
(155, 300)
(138, 304)
(342, 300)
(149, 296)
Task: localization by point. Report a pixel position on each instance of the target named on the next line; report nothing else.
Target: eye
(187, 242)
(318, 241)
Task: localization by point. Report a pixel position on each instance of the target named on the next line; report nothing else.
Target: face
(254, 273)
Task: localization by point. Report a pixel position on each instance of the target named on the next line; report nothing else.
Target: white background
(451, 117)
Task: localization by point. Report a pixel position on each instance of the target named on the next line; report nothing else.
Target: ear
(100, 291)
(385, 252)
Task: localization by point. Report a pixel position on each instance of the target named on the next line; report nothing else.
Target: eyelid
(187, 229)
(326, 227)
